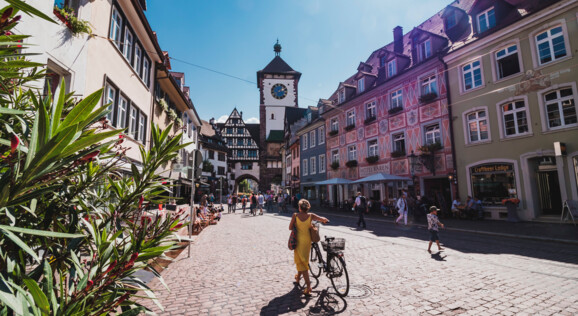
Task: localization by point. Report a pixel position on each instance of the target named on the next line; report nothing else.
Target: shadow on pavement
(290, 302)
(328, 304)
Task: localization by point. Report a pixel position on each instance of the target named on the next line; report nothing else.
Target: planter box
(349, 127)
(333, 133)
(370, 120)
(335, 165)
(351, 163)
(395, 110)
(372, 159)
(397, 154)
(428, 97)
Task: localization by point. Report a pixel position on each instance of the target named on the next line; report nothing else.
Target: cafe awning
(335, 181)
(381, 177)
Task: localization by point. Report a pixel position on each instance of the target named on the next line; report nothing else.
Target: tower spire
(277, 48)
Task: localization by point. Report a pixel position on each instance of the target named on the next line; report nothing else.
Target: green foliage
(71, 235)
(208, 166)
(76, 25)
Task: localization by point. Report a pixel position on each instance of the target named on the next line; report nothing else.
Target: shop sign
(492, 168)
(369, 170)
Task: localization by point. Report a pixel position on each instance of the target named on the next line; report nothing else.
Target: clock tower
(277, 84)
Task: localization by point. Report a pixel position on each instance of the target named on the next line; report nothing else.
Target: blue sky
(323, 39)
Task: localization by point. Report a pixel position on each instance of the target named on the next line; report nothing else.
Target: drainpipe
(449, 98)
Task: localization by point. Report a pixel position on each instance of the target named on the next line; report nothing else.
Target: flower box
(349, 127)
(333, 132)
(428, 97)
(370, 119)
(397, 153)
(430, 148)
(395, 110)
(74, 24)
(351, 163)
(335, 165)
(372, 159)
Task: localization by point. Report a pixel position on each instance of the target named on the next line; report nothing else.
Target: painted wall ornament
(383, 126)
(533, 80)
(412, 117)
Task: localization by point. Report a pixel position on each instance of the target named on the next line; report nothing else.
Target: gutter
(449, 98)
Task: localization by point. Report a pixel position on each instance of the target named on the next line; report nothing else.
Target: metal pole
(221, 188)
(193, 215)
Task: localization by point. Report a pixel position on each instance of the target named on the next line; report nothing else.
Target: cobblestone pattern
(242, 267)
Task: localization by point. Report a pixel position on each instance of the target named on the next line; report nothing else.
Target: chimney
(398, 39)
(241, 114)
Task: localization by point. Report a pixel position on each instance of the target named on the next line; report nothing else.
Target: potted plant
(172, 114)
(372, 159)
(428, 97)
(350, 127)
(370, 119)
(351, 163)
(76, 25)
(394, 110)
(178, 122)
(397, 153)
(164, 105)
(430, 148)
(333, 132)
(208, 166)
(335, 165)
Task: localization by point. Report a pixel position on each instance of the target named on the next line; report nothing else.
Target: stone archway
(244, 177)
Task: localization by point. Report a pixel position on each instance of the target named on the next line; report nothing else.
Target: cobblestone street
(242, 267)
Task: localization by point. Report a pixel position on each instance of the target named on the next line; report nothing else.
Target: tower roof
(277, 66)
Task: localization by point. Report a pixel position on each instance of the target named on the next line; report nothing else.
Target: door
(549, 191)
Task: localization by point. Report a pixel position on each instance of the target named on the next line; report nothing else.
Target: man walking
(261, 201)
(402, 209)
(234, 198)
(361, 208)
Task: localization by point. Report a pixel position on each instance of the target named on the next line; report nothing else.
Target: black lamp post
(412, 165)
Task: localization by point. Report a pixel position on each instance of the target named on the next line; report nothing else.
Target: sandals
(307, 292)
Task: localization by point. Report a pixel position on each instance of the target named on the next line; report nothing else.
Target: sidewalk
(554, 232)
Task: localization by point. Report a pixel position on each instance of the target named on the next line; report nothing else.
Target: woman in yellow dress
(302, 221)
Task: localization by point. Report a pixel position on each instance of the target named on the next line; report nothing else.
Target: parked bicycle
(334, 265)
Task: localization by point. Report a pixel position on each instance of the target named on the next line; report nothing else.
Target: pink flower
(112, 265)
(14, 142)
(140, 201)
(179, 225)
(90, 284)
(90, 156)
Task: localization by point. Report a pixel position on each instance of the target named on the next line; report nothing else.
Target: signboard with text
(373, 169)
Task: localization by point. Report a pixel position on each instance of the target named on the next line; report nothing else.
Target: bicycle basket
(334, 245)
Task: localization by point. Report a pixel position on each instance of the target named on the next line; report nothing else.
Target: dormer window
(451, 20)
(391, 68)
(382, 61)
(361, 85)
(309, 117)
(486, 20)
(424, 50)
(341, 96)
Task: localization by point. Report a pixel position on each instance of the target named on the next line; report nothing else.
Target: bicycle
(335, 268)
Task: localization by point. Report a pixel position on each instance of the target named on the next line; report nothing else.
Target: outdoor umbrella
(335, 181)
(381, 177)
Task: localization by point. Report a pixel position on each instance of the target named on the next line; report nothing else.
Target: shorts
(433, 235)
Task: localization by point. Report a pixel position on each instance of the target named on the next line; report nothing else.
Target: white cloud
(222, 119)
(252, 120)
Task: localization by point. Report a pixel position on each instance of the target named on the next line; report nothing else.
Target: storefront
(492, 183)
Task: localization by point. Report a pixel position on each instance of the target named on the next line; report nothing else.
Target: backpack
(363, 205)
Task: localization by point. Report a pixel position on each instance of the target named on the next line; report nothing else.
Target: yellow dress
(301, 253)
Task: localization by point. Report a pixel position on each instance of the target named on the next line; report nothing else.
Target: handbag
(314, 231)
(292, 243)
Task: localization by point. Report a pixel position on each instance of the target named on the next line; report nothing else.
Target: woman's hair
(304, 205)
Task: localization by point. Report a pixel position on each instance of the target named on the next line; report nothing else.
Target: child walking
(432, 225)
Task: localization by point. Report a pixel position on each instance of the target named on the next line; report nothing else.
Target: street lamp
(413, 161)
(453, 177)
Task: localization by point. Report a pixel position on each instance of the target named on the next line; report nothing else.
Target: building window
(486, 20)
(312, 139)
(312, 165)
(399, 143)
(142, 120)
(472, 75)
(424, 50)
(335, 156)
(110, 99)
(122, 112)
(240, 154)
(334, 125)
(137, 58)
(361, 85)
(305, 167)
(145, 71)
(322, 163)
(246, 166)
(492, 183)
(133, 121)
(370, 110)
(221, 156)
(515, 119)
(372, 148)
(252, 153)
(272, 116)
(477, 126)
(351, 118)
(221, 171)
(551, 45)
(115, 27)
(128, 42)
(396, 99)
(429, 85)
(432, 134)
(321, 131)
(352, 153)
(341, 95)
(211, 154)
(451, 19)
(560, 108)
(391, 68)
(507, 62)
(229, 130)
(304, 141)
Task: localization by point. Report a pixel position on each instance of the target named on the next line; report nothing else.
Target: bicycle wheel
(315, 260)
(338, 275)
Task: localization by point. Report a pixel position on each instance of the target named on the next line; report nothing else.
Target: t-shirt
(360, 202)
(432, 222)
(401, 205)
(456, 203)
(261, 199)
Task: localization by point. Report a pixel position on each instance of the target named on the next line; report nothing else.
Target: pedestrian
(402, 209)
(432, 225)
(302, 221)
(253, 204)
(244, 203)
(456, 207)
(261, 201)
(234, 203)
(229, 203)
(361, 208)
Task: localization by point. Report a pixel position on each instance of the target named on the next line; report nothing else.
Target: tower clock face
(279, 91)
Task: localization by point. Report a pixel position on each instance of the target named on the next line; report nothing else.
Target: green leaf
(28, 9)
(8, 298)
(86, 142)
(4, 110)
(81, 111)
(19, 242)
(19, 64)
(42, 233)
(57, 108)
(39, 297)
(49, 285)
(33, 142)
(20, 147)
(134, 311)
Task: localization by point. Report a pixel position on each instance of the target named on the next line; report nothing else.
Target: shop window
(492, 183)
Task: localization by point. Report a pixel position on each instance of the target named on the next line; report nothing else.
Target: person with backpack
(361, 208)
(402, 209)
(244, 203)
